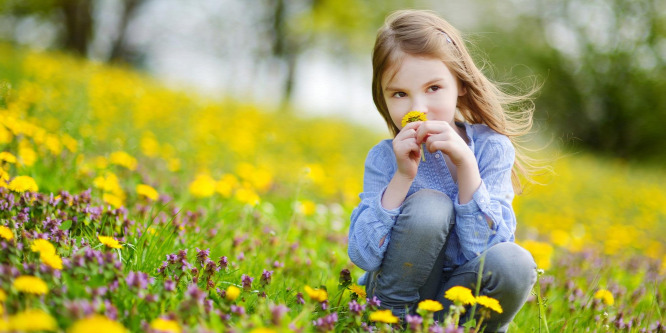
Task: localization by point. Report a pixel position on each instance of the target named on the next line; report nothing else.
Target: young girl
(424, 226)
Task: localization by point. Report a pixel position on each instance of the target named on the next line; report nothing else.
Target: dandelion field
(128, 206)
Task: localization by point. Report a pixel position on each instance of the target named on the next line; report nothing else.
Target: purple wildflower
(247, 281)
(299, 298)
(238, 310)
(374, 302)
(266, 277)
(327, 323)
(202, 256)
(277, 312)
(414, 322)
(223, 263)
(356, 308)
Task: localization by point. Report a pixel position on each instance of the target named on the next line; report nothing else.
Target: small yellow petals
(97, 323)
(32, 320)
(110, 242)
(165, 325)
(123, 159)
(430, 305)
(52, 260)
(413, 116)
(22, 184)
(384, 316)
(358, 290)
(147, 191)
(41, 245)
(232, 293)
(489, 303)
(605, 295)
(30, 285)
(7, 157)
(318, 295)
(6, 233)
(459, 294)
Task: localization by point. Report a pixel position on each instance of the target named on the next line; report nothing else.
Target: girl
(423, 227)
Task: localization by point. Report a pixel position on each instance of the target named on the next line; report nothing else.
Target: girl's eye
(433, 88)
(399, 94)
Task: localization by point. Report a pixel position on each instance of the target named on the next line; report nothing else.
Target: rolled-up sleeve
(370, 222)
(491, 201)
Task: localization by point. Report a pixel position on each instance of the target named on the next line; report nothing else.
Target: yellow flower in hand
(411, 117)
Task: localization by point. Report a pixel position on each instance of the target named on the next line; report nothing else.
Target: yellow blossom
(542, 252)
(110, 242)
(26, 155)
(6, 233)
(7, 157)
(52, 260)
(3, 295)
(605, 296)
(232, 293)
(42, 246)
(165, 325)
(203, 186)
(112, 200)
(459, 294)
(22, 184)
(147, 191)
(30, 285)
(358, 290)
(32, 320)
(53, 144)
(123, 159)
(226, 185)
(430, 305)
(97, 324)
(263, 330)
(247, 196)
(318, 295)
(413, 116)
(384, 316)
(307, 207)
(489, 303)
(70, 143)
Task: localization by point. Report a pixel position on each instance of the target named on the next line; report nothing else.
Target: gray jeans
(412, 268)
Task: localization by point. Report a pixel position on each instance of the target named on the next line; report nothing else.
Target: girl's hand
(440, 135)
(407, 150)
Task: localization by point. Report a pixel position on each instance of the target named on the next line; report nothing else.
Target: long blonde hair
(423, 33)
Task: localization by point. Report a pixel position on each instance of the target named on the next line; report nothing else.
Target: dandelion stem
(542, 310)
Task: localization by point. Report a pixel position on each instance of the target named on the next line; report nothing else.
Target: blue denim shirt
(495, 155)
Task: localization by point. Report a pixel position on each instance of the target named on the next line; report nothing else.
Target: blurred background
(601, 62)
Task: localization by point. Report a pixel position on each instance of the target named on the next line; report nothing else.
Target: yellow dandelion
(232, 293)
(112, 200)
(30, 285)
(32, 320)
(26, 155)
(318, 295)
(307, 207)
(358, 290)
(413, 116)
(6, 233)
(459, 294)
(123, 159)
(41, 246)
(226, 185)
(3, 295)
(605, 296)
(203, 186)
(110, 242)
(147, 191)
(52, 260)
(384, 316)
(97, 323)
(22, 184)
(165, 325)
(247, 196)
(489, 303)
(7, 157)
(430, 305)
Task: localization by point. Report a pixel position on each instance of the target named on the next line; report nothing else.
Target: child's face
(422, 84)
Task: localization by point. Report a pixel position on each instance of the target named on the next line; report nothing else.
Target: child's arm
(371, 223)
(407, 156)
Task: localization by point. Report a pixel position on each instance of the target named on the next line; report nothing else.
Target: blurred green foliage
(602, 66)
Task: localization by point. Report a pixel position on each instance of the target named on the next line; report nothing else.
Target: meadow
(128, 206)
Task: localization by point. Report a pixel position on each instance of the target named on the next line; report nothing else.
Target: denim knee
(428, 212)
(515, 265)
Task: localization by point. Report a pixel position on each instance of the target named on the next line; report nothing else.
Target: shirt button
(437, 155)
(478, 217)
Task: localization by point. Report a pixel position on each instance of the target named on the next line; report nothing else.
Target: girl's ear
(462, 89)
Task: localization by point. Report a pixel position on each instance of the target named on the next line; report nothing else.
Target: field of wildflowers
(126, 206)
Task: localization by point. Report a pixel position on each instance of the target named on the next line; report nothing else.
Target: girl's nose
(419, 105)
